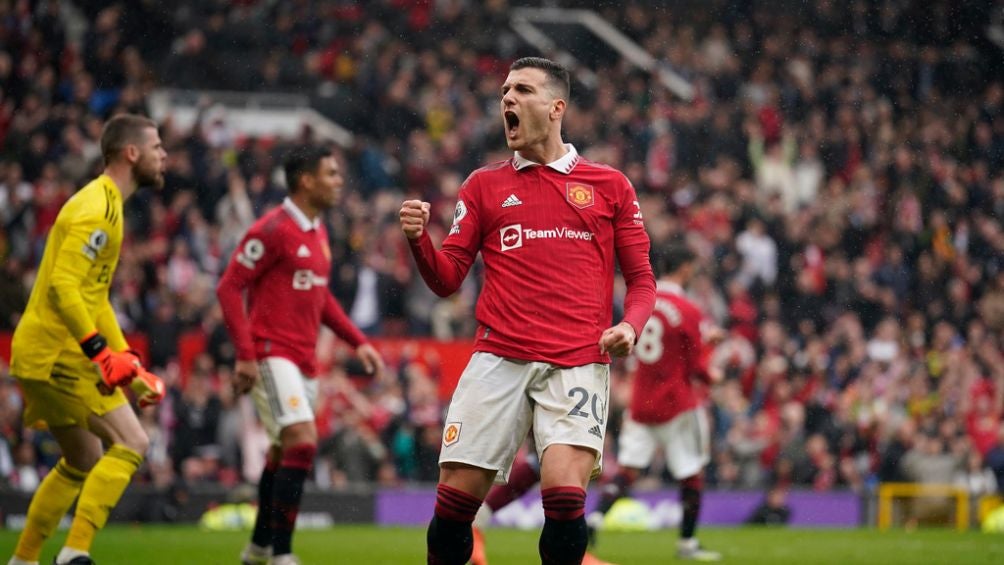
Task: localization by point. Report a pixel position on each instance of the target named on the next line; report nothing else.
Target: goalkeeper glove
(148, 388)
(116, 368)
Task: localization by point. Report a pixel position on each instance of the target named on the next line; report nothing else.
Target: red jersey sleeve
(444, 270)
(632, 245)
(335, 318)
(255, 254)
(700, 352)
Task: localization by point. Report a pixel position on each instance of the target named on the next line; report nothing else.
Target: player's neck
(123, 178)
(671, 280)
(547, 151)
(311, 212)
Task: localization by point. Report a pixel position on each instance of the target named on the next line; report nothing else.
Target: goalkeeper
(71, 359)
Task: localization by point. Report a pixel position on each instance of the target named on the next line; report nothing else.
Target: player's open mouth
(511, 123)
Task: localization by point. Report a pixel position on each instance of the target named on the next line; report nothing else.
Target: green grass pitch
(175, 545)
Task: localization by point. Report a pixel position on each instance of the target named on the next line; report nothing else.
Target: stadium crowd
(840, 171)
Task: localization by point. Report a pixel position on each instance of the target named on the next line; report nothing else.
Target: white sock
(68, 553)
(259, 548)
(483, 518)
(18, 561)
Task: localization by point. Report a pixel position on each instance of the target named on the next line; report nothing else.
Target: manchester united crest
(579, 195)
(451, 433)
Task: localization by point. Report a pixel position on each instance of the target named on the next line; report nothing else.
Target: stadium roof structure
(538, 26)
(247, 114)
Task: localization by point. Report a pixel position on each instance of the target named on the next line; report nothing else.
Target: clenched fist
(414, 215)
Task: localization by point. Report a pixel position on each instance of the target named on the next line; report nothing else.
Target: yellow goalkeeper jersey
(70, 297)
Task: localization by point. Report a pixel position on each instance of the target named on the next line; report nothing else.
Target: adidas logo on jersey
(596, 431)
(303, 251)
(511, 201)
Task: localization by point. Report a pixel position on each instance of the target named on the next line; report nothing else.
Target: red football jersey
(549, 236)
(670, 353)
(283, 264)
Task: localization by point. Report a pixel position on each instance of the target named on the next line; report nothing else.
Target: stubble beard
(151, 178)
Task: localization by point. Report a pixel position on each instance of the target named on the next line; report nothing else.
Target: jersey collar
(299, 217)
(564, 165)
(670, 287)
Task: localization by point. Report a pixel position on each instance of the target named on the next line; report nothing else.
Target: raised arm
(445, 269)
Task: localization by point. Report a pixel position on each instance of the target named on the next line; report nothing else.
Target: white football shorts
(498, 400)
(685, 440)
(283, 395)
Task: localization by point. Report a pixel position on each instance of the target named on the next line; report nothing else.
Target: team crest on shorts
(579, 195)
(451, 433)
(294, 402)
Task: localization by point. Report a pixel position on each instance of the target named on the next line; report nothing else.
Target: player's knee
(83, 460)
(274, 455)
(298, 434)
(564, 465)
(472, 480)
(138, 442)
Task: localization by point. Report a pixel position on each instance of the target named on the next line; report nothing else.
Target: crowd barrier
(414, 506)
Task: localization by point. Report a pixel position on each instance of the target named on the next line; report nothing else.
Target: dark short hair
(305, 159)
(557, 75)
(122, 130)
(670, 258)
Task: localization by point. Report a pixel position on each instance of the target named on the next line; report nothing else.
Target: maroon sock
(286, 493)
(262, 535)
(690, 497)
(564, 537)
(449, 538)
(613, 491)
(522, 477)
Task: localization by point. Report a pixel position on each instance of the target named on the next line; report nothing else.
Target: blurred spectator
(928, 462)
(196, 416)
(773, 511)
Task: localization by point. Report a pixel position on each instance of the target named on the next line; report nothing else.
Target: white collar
(670, 287)
(563, 165)
(299, 217)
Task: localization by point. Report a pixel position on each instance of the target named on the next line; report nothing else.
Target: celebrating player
(71, 359)
(665, 409)
(283, 263)
(549, 225)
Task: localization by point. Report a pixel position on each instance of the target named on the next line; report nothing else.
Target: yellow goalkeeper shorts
(67, 398)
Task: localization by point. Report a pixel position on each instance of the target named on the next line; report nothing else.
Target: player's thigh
(489, 414)
(570, 408)
(298, 434)
(68, 398)
(686, 439)
(81, 449)
(636, 444)
(120, 426)
(283, 396)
